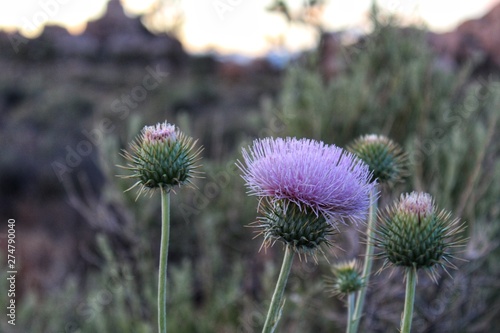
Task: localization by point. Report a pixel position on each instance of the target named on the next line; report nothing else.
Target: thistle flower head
(162, 157)
(301, 229)
(412, 233)
(346, 278)
(316, 177)
(386, 159)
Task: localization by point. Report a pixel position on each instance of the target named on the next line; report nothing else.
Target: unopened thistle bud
(412, 233)
(162, 157)
(347, 278)
(300, 228)
(386, 159)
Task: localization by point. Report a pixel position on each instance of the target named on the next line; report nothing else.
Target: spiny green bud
(162, 157)
(386, 159)
(298, 227)
(412, 233)
(347, 278)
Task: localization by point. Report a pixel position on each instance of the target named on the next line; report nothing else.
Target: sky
(239, 26)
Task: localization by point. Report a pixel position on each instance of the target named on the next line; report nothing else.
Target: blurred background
(79, 81)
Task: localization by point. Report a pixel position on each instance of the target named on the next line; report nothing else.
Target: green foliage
(392, 85)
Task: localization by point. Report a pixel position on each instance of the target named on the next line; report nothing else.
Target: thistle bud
(300, 228)
(162, 157)
(412, 233)
(386, 159)
(347, 278)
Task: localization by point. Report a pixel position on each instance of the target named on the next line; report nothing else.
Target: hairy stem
(162, 272)
(274, 312)
(355, 317)
(411, 282)
(351, 300)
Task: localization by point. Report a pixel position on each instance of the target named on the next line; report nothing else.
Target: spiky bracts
(413, 233)
(162, 157)
(386, 159)
(346, 278)
(301, 229)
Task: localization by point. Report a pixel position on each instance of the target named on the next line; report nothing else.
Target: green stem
(411, 282)
(274, 313)
(351, 298)
(162, 272)
(367, 266)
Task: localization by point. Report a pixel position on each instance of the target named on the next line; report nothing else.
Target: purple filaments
(310, 174)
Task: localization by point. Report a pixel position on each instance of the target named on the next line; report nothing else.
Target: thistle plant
(388, 164)
(347, 280)
(304, 188)
(413, 234)
(386, 159)
(162, 158)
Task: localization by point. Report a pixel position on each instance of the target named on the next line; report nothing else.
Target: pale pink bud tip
(417, 203)
(161, 132)
(374, 138)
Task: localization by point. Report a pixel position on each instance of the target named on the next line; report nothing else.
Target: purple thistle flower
(323, 178)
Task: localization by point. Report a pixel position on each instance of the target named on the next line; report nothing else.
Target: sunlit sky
(239, 26)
